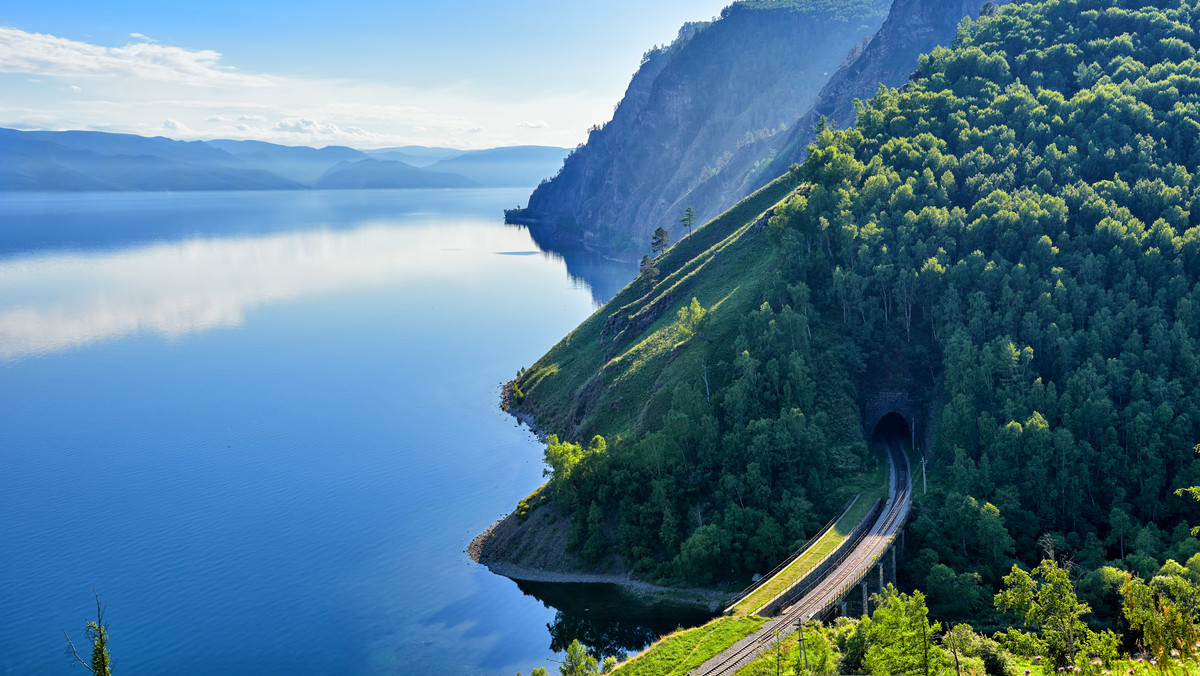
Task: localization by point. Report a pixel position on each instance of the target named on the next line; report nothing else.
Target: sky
(467, 74)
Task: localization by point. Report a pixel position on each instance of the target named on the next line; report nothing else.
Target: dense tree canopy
(1019, 222)
(1024, 215)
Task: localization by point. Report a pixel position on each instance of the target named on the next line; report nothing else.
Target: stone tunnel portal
(892, 424)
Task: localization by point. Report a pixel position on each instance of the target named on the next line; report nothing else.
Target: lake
(264, 428)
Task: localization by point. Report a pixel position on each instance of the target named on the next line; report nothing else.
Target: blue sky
(468, 74)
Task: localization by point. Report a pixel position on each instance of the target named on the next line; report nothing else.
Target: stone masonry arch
(883, 403)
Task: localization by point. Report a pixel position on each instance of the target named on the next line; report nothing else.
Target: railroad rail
(822, 594)
(733, 602)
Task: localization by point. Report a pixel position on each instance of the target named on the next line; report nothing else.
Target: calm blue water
(264, 427)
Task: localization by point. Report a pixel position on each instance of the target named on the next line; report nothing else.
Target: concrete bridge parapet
(874, 579)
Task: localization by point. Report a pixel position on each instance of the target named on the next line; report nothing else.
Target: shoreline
(645, 592)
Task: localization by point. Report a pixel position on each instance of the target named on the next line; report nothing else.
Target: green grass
(620, 367)
(782, 660)
(870, 486)
(678, 653)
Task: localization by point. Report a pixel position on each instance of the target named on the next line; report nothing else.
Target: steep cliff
(582, 198)
(913, 27)
(691, 106)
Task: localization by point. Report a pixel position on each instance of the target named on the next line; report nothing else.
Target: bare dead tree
(97, 633)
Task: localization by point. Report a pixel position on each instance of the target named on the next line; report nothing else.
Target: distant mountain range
(88, 160)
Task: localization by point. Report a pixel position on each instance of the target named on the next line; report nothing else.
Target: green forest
(1016, 230)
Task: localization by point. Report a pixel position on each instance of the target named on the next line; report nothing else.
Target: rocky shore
(536, 551)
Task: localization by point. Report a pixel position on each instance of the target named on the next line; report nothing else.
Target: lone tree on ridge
(689, 218)
(648, 271)
(660, 242)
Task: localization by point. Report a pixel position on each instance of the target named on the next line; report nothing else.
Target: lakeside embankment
(535, 549)
(506, 545)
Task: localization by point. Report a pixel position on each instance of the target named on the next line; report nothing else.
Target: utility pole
(924, 485)
(924, 482)
(803, 654)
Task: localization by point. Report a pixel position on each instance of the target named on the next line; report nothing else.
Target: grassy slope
(679, 652)
(621, 365)
(782, 660)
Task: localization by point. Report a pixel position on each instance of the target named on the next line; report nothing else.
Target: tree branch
(72, 651)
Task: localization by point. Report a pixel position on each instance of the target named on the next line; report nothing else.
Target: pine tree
(579, 662)
(689, 218)
(661, 241)
(648, 271)
(899, 636)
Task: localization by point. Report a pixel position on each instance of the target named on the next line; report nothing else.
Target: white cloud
(41, 54)
(142, 36)
(303, 125)
(319, 128)
(64, 301)
(74, 89)
(133, 88)
(175, 126)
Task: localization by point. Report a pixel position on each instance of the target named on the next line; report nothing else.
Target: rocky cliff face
(913, 28)
(676, 140)
(719, 88)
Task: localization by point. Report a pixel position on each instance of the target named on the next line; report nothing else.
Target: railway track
(822, 594)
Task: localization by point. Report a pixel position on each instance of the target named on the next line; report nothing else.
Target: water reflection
(606, 618)
(92, 221)
(82, 268)
(299, 460)
(51, 302)
(603, 276)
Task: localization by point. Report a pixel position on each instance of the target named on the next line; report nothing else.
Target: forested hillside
(1018, 228)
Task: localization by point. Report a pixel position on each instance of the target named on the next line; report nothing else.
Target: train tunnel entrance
(892, 425)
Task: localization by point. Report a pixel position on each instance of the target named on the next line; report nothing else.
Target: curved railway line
(824, 593)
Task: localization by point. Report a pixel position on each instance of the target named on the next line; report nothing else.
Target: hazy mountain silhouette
(418, 156)
(298, 163)
(371, 173)
(96, 161)
(89, 160)
(505, 167)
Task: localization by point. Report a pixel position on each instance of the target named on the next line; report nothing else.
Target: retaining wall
(797, 590)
